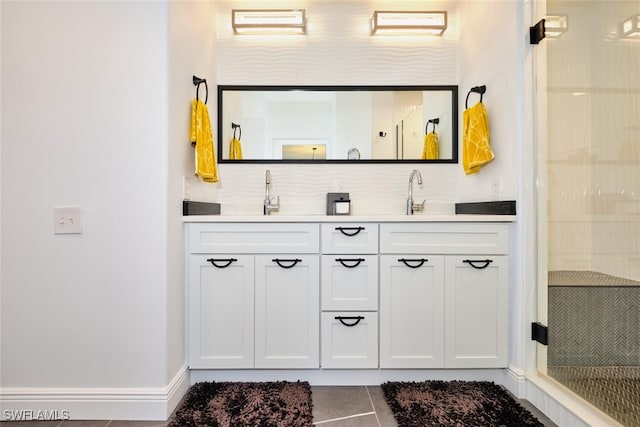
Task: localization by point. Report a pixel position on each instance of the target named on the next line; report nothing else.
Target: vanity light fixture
(555, 25)
(630, 28)
(269, 21)
(408, 23)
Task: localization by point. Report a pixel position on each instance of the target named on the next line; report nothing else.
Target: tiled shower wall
(594, 141)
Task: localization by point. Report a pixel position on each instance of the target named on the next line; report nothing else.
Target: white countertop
(349, 218)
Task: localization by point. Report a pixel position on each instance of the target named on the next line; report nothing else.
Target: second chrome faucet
(414, 207)
(267, 206)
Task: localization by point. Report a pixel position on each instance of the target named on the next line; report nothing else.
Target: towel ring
(476, 89)
(234, 127)
(435, 122)
(197, 81)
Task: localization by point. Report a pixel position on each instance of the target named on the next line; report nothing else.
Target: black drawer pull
(485, 263)
(356, 320)
(356, 260)
(420, 262)
(225, 262)
(352, 230)
(281, 261)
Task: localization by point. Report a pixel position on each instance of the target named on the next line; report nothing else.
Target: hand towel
(202, 139)
(430, 149)
(235, 149)
(476, 151)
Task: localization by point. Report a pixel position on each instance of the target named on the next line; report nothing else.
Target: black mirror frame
(454, 114)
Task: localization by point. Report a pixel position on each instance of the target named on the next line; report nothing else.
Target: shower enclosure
(590, 154)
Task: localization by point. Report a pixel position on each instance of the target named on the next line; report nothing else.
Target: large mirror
(304, 124)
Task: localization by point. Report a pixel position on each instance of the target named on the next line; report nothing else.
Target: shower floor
(613, 389)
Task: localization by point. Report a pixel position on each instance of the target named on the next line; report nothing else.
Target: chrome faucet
(268, 207)
(414, 207)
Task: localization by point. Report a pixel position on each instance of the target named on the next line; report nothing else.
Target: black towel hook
(197, 81)
(476, 89)
(434, 121)
(235, 126)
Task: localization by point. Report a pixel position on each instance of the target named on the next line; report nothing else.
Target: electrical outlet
(67, 220)
(186, 188)
(495, 189)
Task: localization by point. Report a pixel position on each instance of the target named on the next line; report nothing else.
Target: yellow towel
(202, 139)
(476, 151)
(235, 149)
(430, 150)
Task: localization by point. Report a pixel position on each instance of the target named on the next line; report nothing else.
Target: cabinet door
(287, 306)
(350, 340)
(221, 311)
(350, 282)
(411, 311)
(476, 320)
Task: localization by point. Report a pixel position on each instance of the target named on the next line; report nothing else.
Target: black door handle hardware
(224, 263)
(355, 320)
(281, 262)
(481, 263)
(349, 231)
(420, 262)
(357, 262)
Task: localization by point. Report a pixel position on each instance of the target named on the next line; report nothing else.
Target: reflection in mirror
(338, 124)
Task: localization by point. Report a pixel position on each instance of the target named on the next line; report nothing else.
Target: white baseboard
(515, 380)
(344, 377)
(94, 403)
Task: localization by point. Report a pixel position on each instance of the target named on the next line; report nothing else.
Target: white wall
(497, 60)
(339, 50)
(84, 123)
(191, 52)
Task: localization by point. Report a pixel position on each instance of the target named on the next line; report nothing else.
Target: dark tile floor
(353, 406)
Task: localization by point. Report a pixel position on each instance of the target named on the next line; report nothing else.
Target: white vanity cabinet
(349, 288)
(347, 294)
(253, 297)
(286, 307)
(411, 311)
(476, 315)
(443, 295)
(221, 314)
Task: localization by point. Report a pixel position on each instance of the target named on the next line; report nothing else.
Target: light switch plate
(67, 220)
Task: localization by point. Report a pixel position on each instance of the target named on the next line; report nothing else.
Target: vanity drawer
(349, 238)
(254, 238)
(349, 282)
(444, 238)
(349, 340)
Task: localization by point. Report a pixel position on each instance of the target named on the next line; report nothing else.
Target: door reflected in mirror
(301, 124)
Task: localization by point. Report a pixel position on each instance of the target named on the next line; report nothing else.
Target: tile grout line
(375, 411)
(345, 418)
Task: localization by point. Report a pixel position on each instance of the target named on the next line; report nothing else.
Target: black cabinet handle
(343, 261)
(224, 262)
(349, 231)
(355, 320)
(281, 261)
(485, 263)
(420, 262)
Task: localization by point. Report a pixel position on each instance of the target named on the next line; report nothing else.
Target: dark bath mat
(244, 404)
(455, 403)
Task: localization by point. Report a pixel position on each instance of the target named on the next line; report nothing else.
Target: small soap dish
(338, 204)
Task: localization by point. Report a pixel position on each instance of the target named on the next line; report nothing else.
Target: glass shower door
(592, 171)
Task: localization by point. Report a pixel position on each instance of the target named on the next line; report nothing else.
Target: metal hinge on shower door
(537, 32)
(540, 333)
